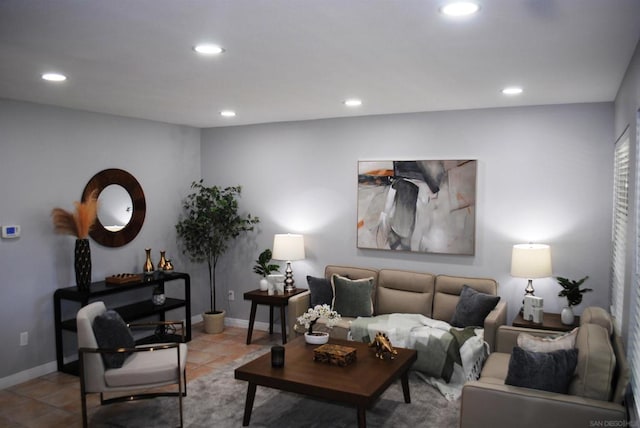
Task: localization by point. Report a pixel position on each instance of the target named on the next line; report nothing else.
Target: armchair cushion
(145, 368)
(320, 291)
(547, 371)
(473, 307)
(533, 343)
(112, 333)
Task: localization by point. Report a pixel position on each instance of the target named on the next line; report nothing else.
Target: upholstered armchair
(126, 368)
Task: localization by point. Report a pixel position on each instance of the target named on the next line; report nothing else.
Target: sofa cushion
(320, 291)
(547, 371)
(596, 363)
(473, 307)
(529, 342)
(352, 298)
(400, 291)
(112, 333)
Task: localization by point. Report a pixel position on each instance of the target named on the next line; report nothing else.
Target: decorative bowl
(316, 338)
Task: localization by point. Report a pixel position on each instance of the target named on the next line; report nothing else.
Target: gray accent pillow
(473, 307)
(352, 298)
(320, 291)
(112, 333)
(547, 371)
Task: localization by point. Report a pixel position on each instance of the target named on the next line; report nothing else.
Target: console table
(129, 312)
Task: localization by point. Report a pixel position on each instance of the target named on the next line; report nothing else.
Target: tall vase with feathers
(79, 224)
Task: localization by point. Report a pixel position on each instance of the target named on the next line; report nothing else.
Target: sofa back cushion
(596, 363)
(448, 290)
(402, 291)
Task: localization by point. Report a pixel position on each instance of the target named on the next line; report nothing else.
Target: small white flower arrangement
(309, 318)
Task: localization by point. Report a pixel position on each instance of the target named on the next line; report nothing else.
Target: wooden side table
(549, 322)
(258, 297)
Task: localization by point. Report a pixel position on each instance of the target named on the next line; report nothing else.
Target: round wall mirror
(121, 207)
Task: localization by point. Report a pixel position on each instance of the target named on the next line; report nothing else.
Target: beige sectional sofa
(400, 291)
(596, 390)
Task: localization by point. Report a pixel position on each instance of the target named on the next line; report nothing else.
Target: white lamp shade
(288, 246)
(531, 261)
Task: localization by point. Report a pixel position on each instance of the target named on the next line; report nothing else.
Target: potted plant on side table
(209, 223)
(572, 291)
(264, 268)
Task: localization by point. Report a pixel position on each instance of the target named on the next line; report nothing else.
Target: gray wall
(544, 175)
(47, 156)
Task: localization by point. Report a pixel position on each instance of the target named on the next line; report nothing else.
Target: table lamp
(288, 246)
(530, 261)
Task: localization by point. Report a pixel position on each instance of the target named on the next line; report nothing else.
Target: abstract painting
(425, 206)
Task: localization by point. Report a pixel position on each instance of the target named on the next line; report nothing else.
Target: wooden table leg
(283, 324)
(270, 319)
(252, 319)
(248, 405)
(362, 417)
(405, 386)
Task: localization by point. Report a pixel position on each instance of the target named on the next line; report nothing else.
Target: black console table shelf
(129, 312)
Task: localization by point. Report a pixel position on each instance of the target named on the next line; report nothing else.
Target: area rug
(217, 400)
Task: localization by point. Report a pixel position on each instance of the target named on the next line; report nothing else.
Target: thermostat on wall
(12, 231)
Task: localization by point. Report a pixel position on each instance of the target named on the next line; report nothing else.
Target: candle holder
(277, 356)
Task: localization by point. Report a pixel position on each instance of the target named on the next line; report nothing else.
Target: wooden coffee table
(359, 384)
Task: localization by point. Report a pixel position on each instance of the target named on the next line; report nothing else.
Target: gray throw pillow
(473, 307)
(547, 371)
(112, 333)
(352, 298)
(320, 291)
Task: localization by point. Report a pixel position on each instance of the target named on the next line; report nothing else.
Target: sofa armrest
(496, 318)
(492, 405)
(297, 306)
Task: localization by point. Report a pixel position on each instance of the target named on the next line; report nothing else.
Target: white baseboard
(27, 375)
(262, 326)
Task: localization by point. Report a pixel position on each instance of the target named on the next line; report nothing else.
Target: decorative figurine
(384, 350)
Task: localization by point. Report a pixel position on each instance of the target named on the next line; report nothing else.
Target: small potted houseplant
(209, 223)
(264, 268)
(572, 291)
(309, 318)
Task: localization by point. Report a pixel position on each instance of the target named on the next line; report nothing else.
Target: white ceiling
(299, 59)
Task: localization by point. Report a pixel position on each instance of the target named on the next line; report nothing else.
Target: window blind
(619, 232)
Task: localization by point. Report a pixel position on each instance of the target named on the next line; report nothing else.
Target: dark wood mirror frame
(122, 178)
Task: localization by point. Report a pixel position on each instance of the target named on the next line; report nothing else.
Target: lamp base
(288, 279)
(527, 292)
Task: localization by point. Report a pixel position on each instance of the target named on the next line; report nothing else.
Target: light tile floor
(53, 400)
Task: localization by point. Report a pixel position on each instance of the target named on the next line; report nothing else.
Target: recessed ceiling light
(512, 90)
(208, 49)
(54, 77)
(353, 102)
(227, 113)
(460, 8)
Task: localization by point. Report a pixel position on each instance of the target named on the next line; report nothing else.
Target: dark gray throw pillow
(320, 290)
(547, 371)
(112, 333)
(352, 298)
(473, 307)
